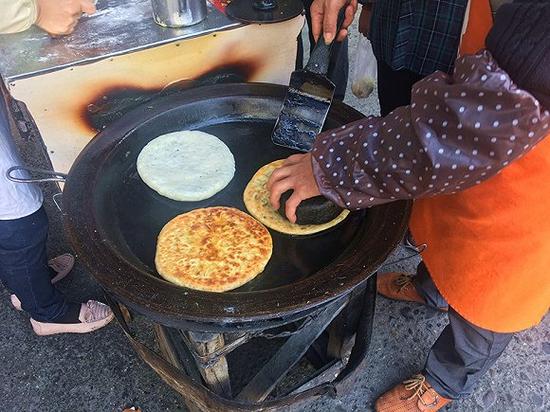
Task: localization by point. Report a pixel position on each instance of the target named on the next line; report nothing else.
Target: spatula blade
(304, 111)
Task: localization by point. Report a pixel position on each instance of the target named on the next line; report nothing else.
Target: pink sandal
(93, 316)
(62, 265)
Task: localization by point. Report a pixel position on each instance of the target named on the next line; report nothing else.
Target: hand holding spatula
(308, 100)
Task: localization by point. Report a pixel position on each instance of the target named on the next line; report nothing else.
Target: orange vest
(489, 246)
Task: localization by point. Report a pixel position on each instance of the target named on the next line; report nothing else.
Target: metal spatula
(307, 101)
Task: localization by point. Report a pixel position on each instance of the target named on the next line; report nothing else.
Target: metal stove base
(334, 339)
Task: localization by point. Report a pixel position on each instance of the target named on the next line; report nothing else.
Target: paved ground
(99, 372)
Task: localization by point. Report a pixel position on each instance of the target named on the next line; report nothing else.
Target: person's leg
(394, 87)
(462, 354)
(24, 266)
(426, 288)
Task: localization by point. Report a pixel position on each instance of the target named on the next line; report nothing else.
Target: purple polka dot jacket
(459, 130)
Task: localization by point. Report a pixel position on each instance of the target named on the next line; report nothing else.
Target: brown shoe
(398, 286)
(413, 395)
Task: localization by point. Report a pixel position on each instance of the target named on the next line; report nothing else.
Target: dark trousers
(24, 266)
(339, 64)
(463, 353)
(394, 87)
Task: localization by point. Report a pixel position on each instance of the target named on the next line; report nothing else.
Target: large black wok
(112, 218)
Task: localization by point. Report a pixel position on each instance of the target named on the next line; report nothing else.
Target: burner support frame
(334, 338)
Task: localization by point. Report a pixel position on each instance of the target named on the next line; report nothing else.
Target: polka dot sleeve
(459, 130)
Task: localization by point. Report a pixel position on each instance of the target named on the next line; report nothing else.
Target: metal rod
(53, 176)
(57, 204)
(420, 249)
(211, 358)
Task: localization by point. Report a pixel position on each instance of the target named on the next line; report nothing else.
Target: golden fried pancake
(256, 200)
(214, 249)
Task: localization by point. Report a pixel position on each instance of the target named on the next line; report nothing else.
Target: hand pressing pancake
(257, 202)
(294, 173)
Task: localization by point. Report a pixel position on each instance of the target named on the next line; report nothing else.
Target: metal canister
(179, 13)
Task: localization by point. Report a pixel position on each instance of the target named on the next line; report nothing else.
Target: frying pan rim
(80, 224)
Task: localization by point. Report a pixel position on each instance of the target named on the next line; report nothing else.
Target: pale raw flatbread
(256, 200)
(213, 249)
(186, 165)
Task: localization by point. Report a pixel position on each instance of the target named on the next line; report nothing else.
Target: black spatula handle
(319, 59)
